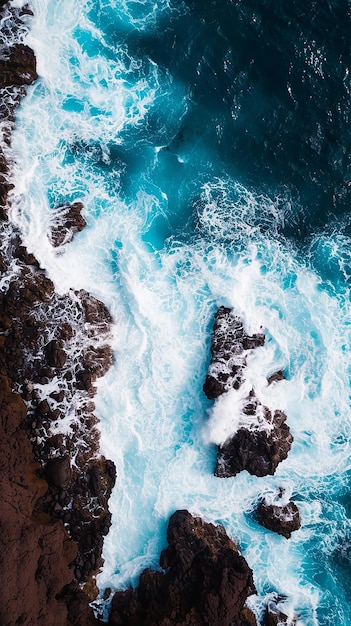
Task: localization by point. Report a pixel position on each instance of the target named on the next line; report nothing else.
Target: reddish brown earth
(35, 550)
(51, 535)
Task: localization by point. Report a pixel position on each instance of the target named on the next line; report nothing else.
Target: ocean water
(210, 145)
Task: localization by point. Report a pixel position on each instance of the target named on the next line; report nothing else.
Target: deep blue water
(210, 145)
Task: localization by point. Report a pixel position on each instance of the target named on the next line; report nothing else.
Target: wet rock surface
(18, 67)
(280, 518)
(275, 617)
(259, 449)
(262, 439)
(229, 346)
(66, 221)
(206, 581)
(55, 514)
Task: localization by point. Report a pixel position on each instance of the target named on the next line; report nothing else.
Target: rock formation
(55, 485)
(229, 347)
(282, 518)
(275, 617)
(65, 222)
(205, 581)
(258, 448)
(262, 439)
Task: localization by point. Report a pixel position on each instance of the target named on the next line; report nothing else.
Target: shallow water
(210, 147)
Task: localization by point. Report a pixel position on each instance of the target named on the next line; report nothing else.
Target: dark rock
(107, 593)
(275, 617)
(282, 519)
(65, 331)
(79, 610)
(65, 223)
(58, 472)
(258, 450)
(19, 68)
(58, 396)
(90, 518)
(262, 439)
(276, 377)
(207, 581)
(43, 407)
(27, 290)
(55, 354)
(22, 253)
(229, 346)
(95, 312)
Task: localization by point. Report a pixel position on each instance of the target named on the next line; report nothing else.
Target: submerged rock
(206, 581)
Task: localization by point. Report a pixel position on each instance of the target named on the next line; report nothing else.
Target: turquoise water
(209, 145)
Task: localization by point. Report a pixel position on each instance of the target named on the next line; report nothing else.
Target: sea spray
(172, 234)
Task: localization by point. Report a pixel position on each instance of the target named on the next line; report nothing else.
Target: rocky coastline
(55, 483)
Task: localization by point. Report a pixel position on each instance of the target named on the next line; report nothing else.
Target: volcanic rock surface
(275, 617)
(229, 347)
(36, 551)
(280, 518)
(66, 221)
(54, 483)
(205, 581)
(262, 439)
(258, 449)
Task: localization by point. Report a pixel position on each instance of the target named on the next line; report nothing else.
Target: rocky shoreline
(53, 347)
(55, 483)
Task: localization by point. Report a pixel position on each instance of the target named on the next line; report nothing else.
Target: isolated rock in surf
(262, 438)
(282, 519)
(229, 346)
(258, 449)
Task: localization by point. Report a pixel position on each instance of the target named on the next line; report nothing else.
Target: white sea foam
(155, 421)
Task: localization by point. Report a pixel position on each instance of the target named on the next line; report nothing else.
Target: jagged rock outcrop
(66, 221)
(37, 321)
(205, 581)
(281, 518)
(229, 346)
(275, 617)
(17, 70)
(258, 447)
(18, 67)
(262, 438)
